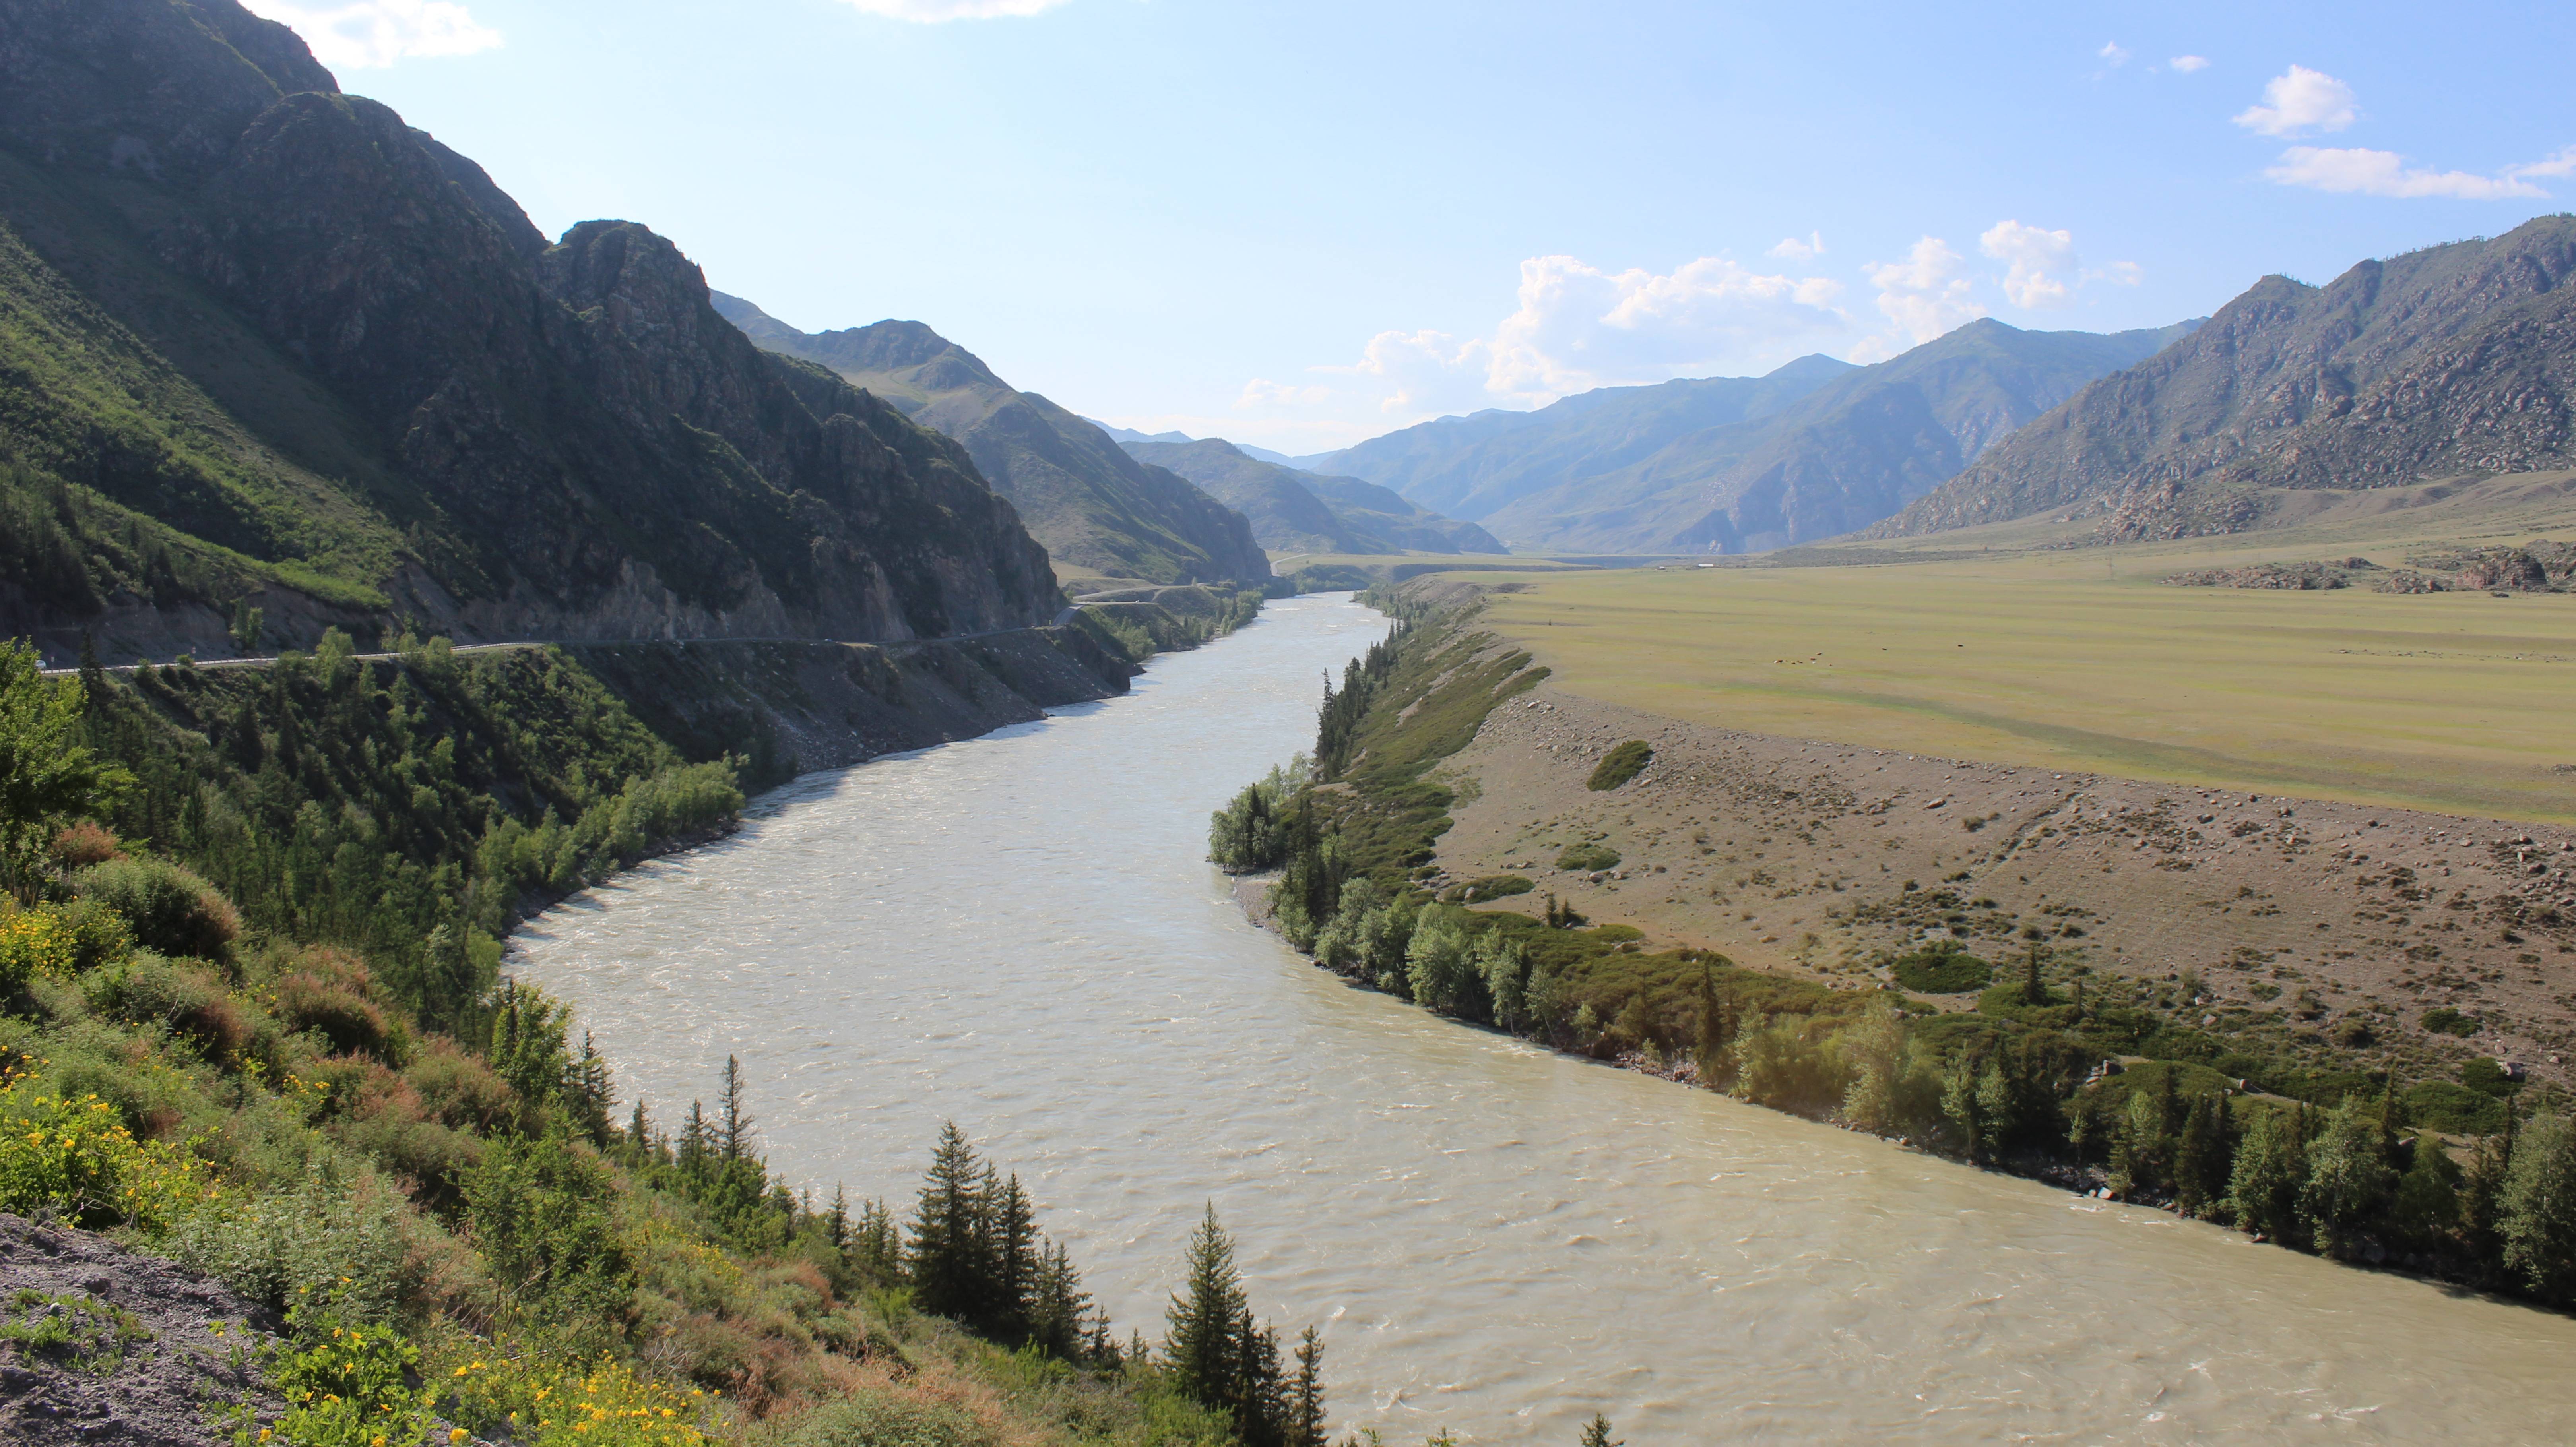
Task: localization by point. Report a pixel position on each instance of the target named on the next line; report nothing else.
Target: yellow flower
(455, 1435)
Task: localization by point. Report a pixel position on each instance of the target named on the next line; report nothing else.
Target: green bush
(1942, 970)
(1588, 856)
(169, 908)
(1492, 886)
(1620, 765)
(874, 1418)
(2457, 1109)
(319, 1237)
(187, 1000)
(2443, 1020)
(2487, 1077)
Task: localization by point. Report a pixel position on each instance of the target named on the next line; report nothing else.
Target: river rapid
(1018, 933)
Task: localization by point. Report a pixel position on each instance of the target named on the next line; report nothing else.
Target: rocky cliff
(267, 346)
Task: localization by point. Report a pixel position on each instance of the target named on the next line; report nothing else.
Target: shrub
(34, 942)
(319, 1239)
(543, 1403)
(78, 846)
(2443, 1020)
(1942, 970)
(1620, 765)
(2457, 1109)
(349, 1388)
(880, 1419)
(170, 908)
(327, 993)
(1588, 856)
(1492, 886)
(76, 1161)
(187, 1000)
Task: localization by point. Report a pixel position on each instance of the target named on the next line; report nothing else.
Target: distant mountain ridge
(2453, 360)
(1297, 511)
(1745, 464)
(266, 346)
(1080, 493)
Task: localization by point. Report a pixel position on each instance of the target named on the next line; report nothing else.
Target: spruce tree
(1306, 1393)
(2204, 1156)
(733, 1130)
(2034, 991)
(1016, 1260)
(1597, 1433)
(2482, 1195)
(946, 1257)
(836, 1222)
(1716, 1029)
(1199, 1328)
(2428, 1196)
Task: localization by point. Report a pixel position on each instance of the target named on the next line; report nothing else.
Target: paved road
(1060, 620)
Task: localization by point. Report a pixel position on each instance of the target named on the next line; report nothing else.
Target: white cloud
(2189, 63)
(1790, 248)
(2114, 52)
(2562, 164)
(1580, 327)
(2299, 100)
(1262, 392)
(1925, 295)
(2119, 273)
(1421, 373)
(2385, 173)
(370, 34)
(2040, 262)
(931, 12)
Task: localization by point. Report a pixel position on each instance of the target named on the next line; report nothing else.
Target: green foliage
(75, 1161)
(48, 777)
(349, 1387)
(1596, 1433)
(540, 1212)
(1942, 969)
(320, 1239)
(2445, 1106)
(2349, 1178)
(84, 1333)
(1620, 765)
(1581, 858)
(1254, 831)
(2539, 1222)
(870, 1418)
(169, 908)
(1489, 887)
(2443, 1020)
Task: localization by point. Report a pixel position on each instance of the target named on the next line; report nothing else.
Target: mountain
(262, 345)
(2453, 360)
(1294, 511)
(1258, 454)
(1096, 508)
(1736, 465)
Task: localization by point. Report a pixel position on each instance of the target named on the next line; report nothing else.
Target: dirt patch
(155, 1389)
(2342, 922)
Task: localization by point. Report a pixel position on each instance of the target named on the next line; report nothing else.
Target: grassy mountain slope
(1853, 451)
(1299, 511)
(263, 345)
(2448, 359)
(1096, 509)
(1472, 467)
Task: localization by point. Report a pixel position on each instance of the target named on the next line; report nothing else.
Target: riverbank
(2007, 1024)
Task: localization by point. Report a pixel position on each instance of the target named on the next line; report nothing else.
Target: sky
(1301, 225)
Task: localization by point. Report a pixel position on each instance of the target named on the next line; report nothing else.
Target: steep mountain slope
(1294, 511)
(2450, 359)
(263, 345)
(1472, 467)
(1095, 507)
(1847, 454)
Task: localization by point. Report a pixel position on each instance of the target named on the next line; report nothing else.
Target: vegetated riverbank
(266, 1038)
(2110, 1081)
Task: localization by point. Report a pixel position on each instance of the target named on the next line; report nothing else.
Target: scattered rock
(2298, 577)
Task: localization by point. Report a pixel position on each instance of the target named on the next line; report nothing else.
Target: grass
(2082, 660)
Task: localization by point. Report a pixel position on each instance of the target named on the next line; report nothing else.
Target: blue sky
(1301, 225)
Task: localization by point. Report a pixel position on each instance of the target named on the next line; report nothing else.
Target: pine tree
(2482, 1195)
(2204, 1156)
(733, 1130)
(2034, 991)
(836, 1222)
(1261, 1404)
(639, 1132)
(1016, 1259)
(1597, 1433)
(1716, 1031)
(947, 1272)
(1306, 1393)
(590, 1093)
(1198, 1336)
(2539, 1219)
(694, 1148)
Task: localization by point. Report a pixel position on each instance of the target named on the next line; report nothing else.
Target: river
(1018, 933)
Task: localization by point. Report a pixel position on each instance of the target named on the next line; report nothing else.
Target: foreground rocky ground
(156, 1350)
(2306, 920)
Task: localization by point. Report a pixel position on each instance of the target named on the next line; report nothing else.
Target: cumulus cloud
(1925, 295)
(2114, 52)
(2040, 263)
(2299, 100)
(1416, 372)
(2385, 173)
(931, 12)
(1790, 248)
(2562, 164)
(2189, 63)
(1579, 326)
(371, 34)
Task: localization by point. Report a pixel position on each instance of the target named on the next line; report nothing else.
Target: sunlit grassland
(2083, 660)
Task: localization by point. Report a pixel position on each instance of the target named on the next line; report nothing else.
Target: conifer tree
(2482, 1194)
(1016, 1258)
(590, 1093)
(1198, 1336)
(1597, 1433)
(2034, 991)
(733, 1122)
(2428, 1196)
(2348, 1180)
(947, 1268)
(2539, 1218)
(694, 1149)
(836, 1222)
(1306, 1393)
(2271, 1166)
(1716, 1029)
(2204, 1155)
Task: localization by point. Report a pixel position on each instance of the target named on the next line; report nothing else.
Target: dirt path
(2341, 919)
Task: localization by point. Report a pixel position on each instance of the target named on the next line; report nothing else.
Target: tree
(1875, 1051)
(2428, 1196)
(1440, 962)
(541, 1212)
(2034, 990)
(2271, 1167)
(1199, 1325)
(1505, 968)
(2539, 1218)
(590, 1093)
(1306, 1393)
(2482, 1194)
(733, 1122)
(2348, 1179)
(1596, 1433)
(2204, 1155)
(1716, 1029)
(1017, 1257)
(46, 780)
(947, 1266)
